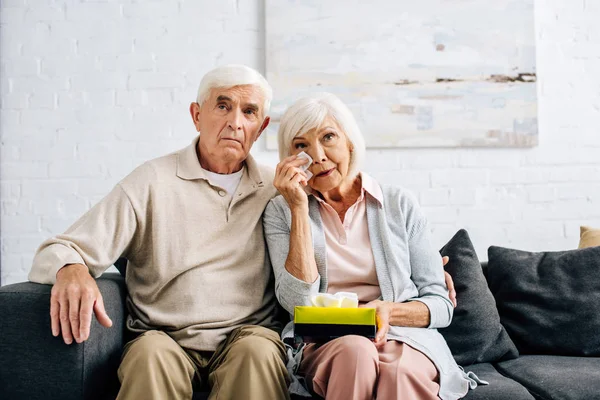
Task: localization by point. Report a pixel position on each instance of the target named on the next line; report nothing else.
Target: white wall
(90, 89)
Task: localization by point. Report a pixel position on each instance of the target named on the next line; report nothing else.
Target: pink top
(350, 262)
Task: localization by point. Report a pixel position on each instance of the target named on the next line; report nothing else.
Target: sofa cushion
(499, 388)
(548, 302)
(556, 377)
(475, 334)
(588, 237)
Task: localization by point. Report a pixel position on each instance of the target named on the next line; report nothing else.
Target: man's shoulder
(152, 171)
(267, 174)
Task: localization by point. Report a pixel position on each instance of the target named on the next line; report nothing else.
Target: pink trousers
(351, 367)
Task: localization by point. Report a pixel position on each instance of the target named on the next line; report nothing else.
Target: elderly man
(201, 297)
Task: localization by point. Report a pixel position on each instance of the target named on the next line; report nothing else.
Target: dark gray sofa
(36, 365)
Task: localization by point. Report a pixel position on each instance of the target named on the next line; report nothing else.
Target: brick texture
(90, 89)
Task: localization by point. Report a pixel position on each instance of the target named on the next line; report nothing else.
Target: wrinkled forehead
(317, 124)
(242, 94)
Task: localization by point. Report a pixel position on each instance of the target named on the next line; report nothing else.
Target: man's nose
(235, 119)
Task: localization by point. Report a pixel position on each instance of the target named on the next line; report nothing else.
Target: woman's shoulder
(399, 196)
(277, 206)
(278, 202)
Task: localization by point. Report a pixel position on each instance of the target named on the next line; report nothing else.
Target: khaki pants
(250, 364)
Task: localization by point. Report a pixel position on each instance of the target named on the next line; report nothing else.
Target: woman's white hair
(310, 113)
(232, 75)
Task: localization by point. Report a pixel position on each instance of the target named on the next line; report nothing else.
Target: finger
(381, 335)
(291, 172)
(301, 178)
(54, 315)
(382, 327)
(65, 324)
(74, 305)
(299, 161)
(449, 281)
(283, 163)
(445, 260)
(101, 314)
(293, 163)
(85, 313)
(451, 289)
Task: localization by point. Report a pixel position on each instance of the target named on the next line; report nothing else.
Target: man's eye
(222, 107)
(250, 111)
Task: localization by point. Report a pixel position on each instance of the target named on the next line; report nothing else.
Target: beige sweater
(197, 263)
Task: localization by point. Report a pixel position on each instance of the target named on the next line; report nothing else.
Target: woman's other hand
(449, 282)
(383, 312)
(290, 180)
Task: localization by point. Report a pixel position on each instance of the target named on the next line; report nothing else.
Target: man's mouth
(232, 140)
(325, 173)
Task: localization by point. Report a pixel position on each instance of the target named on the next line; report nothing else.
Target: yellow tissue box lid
(334, 315)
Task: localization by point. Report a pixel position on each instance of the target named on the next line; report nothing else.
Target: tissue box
(320, 324)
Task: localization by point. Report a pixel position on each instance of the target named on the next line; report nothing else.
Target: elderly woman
(342, 231)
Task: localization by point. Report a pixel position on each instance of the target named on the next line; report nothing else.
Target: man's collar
(188, 165)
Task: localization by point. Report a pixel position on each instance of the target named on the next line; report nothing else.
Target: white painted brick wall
(90, 89)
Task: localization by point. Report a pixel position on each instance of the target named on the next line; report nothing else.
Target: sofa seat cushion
(499, 388)
(555, 377)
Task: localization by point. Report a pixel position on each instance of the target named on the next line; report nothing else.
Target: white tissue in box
(338, 300)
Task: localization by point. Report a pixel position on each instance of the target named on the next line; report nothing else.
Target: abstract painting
(428, 73)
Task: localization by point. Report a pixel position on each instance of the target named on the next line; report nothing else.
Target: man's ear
(195, 113)
(263, 126)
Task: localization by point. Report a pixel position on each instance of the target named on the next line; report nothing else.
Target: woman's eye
(299, 145)
(329, 136)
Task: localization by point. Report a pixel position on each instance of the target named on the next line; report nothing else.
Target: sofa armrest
(36, 365)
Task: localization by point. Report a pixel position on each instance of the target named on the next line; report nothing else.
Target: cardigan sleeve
(427, 271)
(290, 291)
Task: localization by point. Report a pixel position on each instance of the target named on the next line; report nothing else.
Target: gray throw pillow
(475, 334)
(549, 302)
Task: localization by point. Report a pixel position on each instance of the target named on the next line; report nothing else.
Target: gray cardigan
(409, 268)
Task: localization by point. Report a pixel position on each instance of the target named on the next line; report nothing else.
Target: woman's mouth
(325, 173)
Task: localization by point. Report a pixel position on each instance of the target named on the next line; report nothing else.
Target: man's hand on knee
(74, 296)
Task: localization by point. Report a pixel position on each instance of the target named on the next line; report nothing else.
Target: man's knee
(151, 349)
(258, 349)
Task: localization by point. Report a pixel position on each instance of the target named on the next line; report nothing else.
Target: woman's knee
(355, 350)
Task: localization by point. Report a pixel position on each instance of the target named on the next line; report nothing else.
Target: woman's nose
(318, 155)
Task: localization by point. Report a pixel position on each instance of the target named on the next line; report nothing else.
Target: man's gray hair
(310, 113)
(232, 75)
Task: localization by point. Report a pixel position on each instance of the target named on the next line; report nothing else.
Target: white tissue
(338, 300)
(304, 167)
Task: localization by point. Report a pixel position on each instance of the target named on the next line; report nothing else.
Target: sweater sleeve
(290, 291)
(427, 271)
(96, 240)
